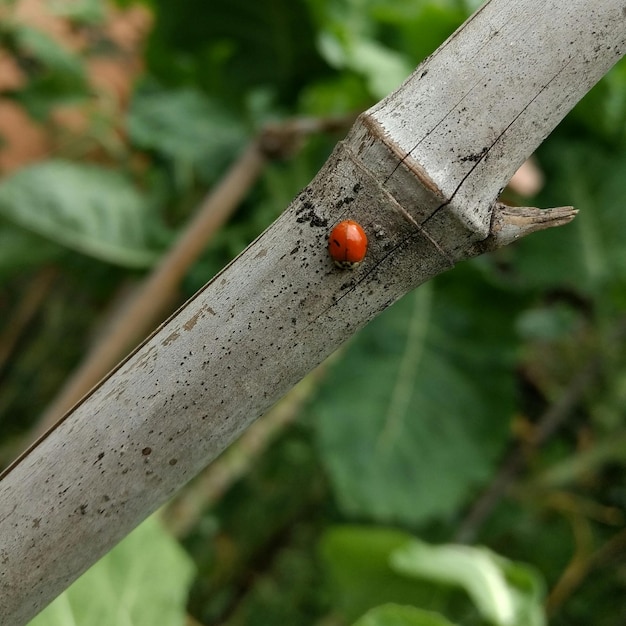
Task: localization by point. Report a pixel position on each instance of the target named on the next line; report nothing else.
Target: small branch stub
(511, 223)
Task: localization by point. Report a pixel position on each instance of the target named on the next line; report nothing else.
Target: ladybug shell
(347, 244)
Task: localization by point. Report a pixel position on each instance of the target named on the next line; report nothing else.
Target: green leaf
(142, 582)
(184, 126)
(398, 615)
(383, 68)
(357, 561)
(354, 36)
(47, 51)
(417, 410)
(80, 11)
(506, 593)
(56, 74)
(371, 566)
(87, 208)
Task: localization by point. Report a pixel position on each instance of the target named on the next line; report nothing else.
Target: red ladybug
(347, 244)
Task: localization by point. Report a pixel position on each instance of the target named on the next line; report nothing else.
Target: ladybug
(347, 244)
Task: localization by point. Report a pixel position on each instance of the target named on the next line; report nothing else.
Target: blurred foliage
(85, 208)
(115, 120)
(394, 468)
(398, 615)
(371, 566)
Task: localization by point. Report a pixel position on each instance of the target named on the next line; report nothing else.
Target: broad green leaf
(350, 37)
(399, 615)
(143, 581)
(184, 126)
(56, 74)
(81, 11)
(383, 68)
(371, 566)
(417, 409)
(357, 559)
(47, 51)
(506, 593)
(87, 208)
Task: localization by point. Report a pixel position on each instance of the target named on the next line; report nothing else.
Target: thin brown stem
(585, 559)
(24, 313)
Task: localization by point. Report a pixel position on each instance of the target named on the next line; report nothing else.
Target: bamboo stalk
(421, 171)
